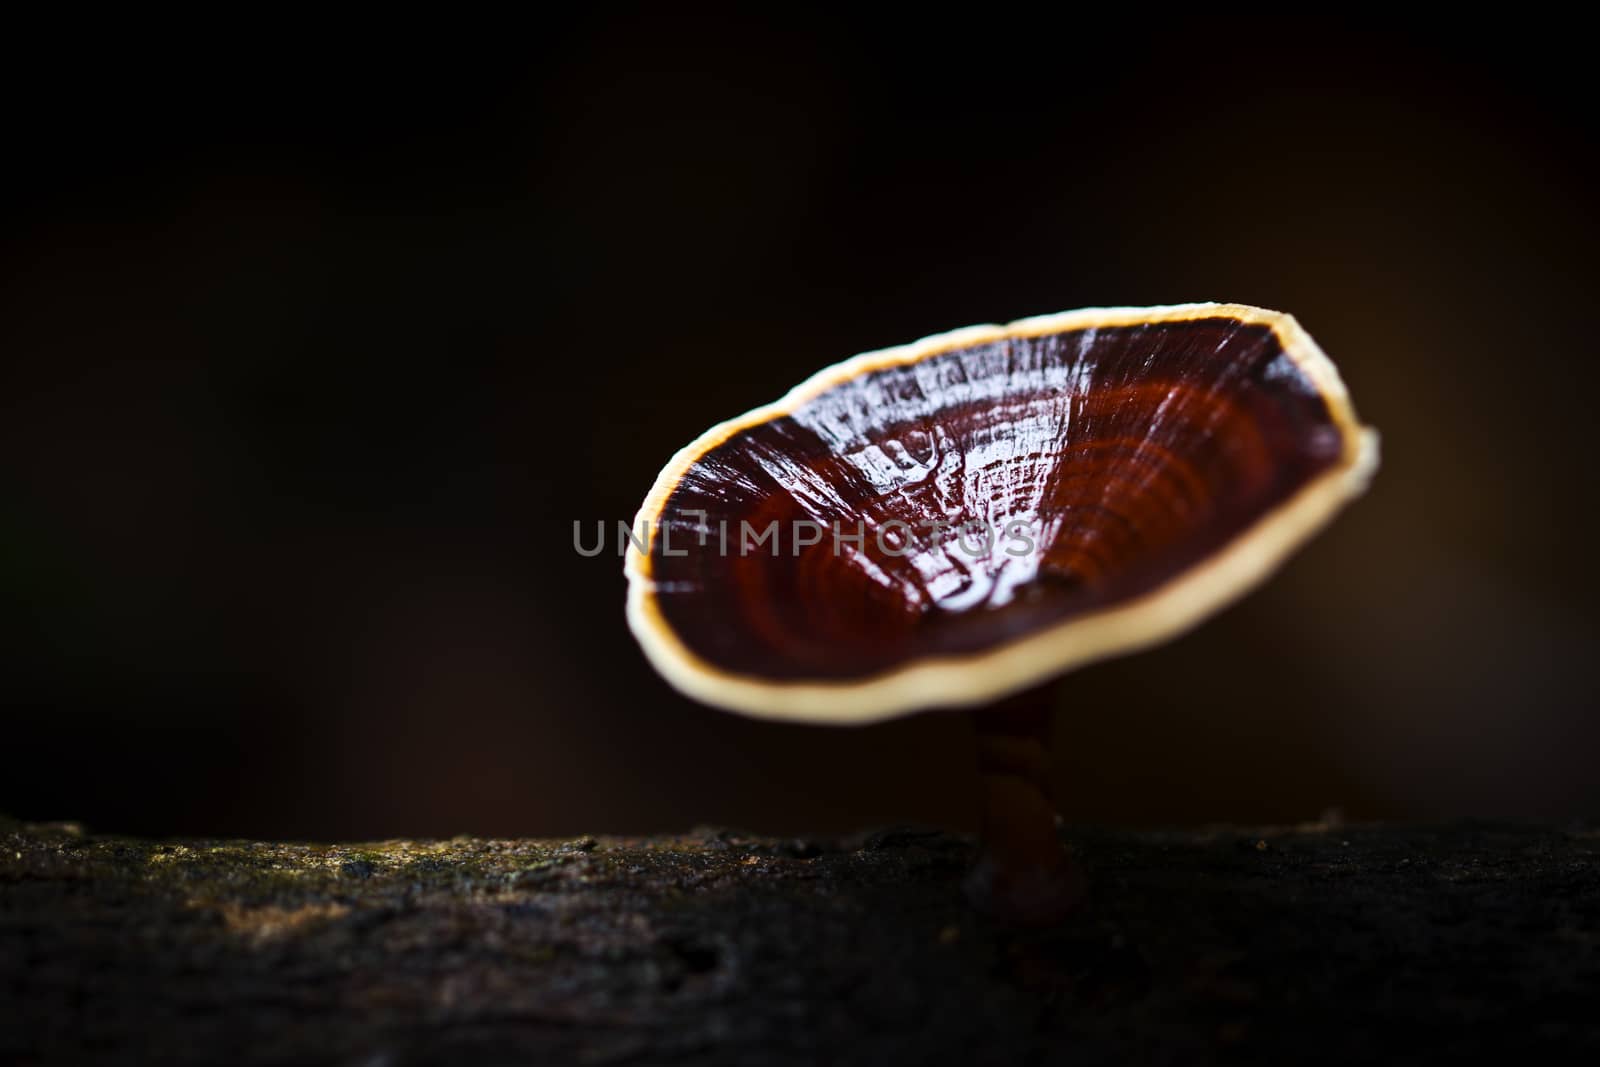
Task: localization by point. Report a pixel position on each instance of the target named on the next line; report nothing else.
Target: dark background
(317, 339)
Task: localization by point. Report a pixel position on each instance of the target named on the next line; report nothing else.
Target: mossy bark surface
(1285, 945)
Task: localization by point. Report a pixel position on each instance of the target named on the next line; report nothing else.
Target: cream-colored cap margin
(965, 681)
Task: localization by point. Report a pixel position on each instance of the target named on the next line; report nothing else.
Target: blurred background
(317, 339)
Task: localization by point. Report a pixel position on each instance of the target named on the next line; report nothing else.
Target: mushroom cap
(1163, 461)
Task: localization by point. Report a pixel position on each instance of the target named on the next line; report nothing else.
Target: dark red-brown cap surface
(948, 522)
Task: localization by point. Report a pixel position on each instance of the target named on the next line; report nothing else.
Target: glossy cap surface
(947, 522)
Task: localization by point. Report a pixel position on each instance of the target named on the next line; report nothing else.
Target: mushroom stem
(1023, 874)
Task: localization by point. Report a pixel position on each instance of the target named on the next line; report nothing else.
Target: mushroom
(957, 522)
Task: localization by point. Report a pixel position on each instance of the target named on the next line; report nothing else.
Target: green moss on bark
(1313, 943)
